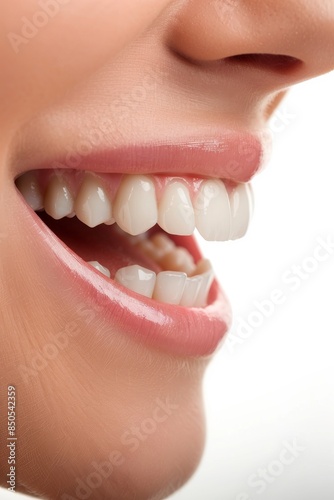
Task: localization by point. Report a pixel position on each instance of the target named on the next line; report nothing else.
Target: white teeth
(135, 206)
(92, 205)
(176, 213)
(241, 200)
(29, 188)
(138, 279)
(205, 274)
(169, 287)
(212, 211)
(58, 200)
(220, 213)
(191, 291)
(204, 288)
(100, 268)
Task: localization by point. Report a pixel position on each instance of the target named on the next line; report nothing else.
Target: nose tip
(277, 35)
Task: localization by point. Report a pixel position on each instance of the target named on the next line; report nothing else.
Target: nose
(290, 40)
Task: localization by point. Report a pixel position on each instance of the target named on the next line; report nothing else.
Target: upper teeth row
(220, 213)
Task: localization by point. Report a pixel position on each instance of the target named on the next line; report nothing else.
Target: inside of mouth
(185, 280)
(137, 230)
(107, 245)
(154, 264)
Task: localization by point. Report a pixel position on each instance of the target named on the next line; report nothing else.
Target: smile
(130, 238)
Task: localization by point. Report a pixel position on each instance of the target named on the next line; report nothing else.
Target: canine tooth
(29, 188)
(180, 260)
(241, 199)
(213, 211)
(206, 280)
(135, 206)
(176, 213)
(169, 287)
(58, 200)
(191, 291)
(92, 205)
(138, 279)
(100, 268)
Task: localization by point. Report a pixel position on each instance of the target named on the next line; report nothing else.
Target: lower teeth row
(184, 284)
(169, 287)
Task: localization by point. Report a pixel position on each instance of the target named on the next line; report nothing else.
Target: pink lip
(177, 330)
(231, 155)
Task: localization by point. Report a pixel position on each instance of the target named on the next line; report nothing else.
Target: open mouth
(137, 230)
(117, 229)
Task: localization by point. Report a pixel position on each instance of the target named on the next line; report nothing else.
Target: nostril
(274, 62)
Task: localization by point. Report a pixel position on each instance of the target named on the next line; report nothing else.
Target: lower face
(110, 313)
(115, 315)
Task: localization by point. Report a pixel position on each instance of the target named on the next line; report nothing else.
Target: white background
(277, 386)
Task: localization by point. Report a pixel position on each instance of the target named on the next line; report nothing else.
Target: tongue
(105, 244)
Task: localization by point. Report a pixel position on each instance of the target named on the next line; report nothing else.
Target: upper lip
(234, 156)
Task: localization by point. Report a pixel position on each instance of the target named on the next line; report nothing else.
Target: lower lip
(173, 329)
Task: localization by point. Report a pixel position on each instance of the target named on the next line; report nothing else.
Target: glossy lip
(228, 155)
(188, 332)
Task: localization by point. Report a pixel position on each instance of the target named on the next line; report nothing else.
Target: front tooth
(205, 276)
(191, 291)
(169, 287)
(92, 205)
(206, 280)
(135, 206)
(176, 213)
(178, 259)
(212, 211)
(100, 268)
(58, 200)
(241, 200)
(29, 188)
(138, 279)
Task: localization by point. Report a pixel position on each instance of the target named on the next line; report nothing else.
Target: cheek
(49, 47)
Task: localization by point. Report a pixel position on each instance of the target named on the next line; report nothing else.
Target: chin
(95, 423)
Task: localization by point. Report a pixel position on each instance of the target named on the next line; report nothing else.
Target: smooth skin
(56, 84)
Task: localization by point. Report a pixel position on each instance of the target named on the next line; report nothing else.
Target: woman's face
(176, 95)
